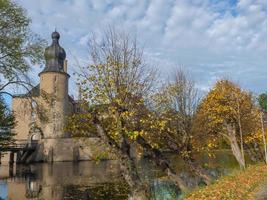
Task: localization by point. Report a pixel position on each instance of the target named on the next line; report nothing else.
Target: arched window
(35, 133)
(33, 111)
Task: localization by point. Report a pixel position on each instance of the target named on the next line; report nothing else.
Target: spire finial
(55, 56)
(55, 35)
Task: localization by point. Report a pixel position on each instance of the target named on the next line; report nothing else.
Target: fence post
(11, 158)
(19, 154)
(11, 163)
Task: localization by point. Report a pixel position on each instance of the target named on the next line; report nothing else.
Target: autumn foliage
(122, 104)
(228, 113)
(236, 186)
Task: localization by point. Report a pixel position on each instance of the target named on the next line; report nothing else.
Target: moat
(96, 180)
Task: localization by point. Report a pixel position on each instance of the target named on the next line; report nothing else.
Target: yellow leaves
(133, 134)
(226, 104)
(210, 155)
(116, 133)
(162, 125)
(127, 114)
(185, 154)
(212, 143)
(237, 186)
(254, 136)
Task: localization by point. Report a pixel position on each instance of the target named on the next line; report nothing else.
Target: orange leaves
(227, 104)
(254, 136)
(238, 186)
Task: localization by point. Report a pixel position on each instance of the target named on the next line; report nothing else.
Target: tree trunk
(130, 173)
(127, 164)
(193, 165)
(253, 157)
(263, 138)
(235, 147)
(198, 170)
(258, 152)
(161, 162)
(254, 152)
(140, 194)
(240, 133)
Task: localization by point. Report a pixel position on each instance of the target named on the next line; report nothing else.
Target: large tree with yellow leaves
(115, 89)
(229, 112)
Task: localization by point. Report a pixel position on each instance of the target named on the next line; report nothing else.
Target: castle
(51, 96)
(42, 112)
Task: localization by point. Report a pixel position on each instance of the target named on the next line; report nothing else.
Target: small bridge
(23, 149)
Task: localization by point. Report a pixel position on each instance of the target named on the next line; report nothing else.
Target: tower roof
(54, 55)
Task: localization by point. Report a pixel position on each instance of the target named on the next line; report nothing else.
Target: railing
(20, 145)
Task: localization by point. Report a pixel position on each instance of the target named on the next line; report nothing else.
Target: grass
(239, 185)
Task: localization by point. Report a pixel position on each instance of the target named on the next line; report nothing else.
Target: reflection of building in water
(41, 114)
(3, 190)
(84, 180)
(65, 180)
(33, 188)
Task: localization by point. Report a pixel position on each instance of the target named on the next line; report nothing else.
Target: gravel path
(262, 194)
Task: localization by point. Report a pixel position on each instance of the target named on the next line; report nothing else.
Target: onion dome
(54, 55)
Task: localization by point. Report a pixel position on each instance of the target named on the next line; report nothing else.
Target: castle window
(33, 116)
(33, 111)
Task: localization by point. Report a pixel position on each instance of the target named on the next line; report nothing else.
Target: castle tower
(54, 89)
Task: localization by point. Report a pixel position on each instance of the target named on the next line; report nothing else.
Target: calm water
(97, 180)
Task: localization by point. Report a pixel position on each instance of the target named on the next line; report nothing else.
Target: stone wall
(69, 149)
(72, 149)
(54, 98)
(22, 111)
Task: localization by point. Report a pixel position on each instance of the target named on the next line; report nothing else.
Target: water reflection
(84, 180)
(96, 181)
(165, 190)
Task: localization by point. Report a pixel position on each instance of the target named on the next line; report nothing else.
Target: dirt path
(262, 194)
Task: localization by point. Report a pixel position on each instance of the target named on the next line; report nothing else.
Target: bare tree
(177, 103)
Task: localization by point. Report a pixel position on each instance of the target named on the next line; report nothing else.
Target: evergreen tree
(7, 122)
(262, 99)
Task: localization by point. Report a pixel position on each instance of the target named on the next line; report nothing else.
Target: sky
(3, 190)
(210, 39)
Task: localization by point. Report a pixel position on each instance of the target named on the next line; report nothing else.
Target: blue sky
(3, 190)
(209, 38)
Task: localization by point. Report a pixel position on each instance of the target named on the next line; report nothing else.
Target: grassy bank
(240, 185)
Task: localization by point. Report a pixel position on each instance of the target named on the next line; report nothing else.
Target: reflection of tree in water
(111, 191)
(165, 190)
(160, 190)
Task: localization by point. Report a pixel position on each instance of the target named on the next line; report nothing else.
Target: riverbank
(239, 185)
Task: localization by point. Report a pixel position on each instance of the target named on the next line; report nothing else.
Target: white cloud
(210, 38)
